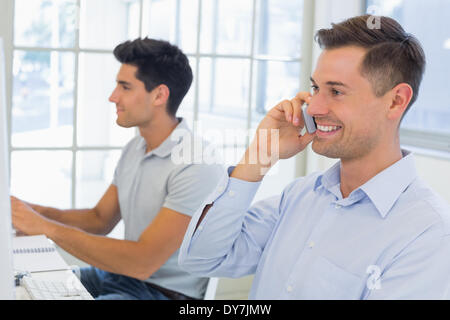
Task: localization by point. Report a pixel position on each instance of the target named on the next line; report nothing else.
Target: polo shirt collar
(165, 148)
(383, 189)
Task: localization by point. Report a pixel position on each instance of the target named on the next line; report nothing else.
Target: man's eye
(336, 92)
(315, 88)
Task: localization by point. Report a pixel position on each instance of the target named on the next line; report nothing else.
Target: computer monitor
(6, 259)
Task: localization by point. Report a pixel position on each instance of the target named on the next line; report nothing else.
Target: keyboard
(54, 290)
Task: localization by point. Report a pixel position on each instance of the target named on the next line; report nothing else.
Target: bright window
(427, 122)
(245, 55)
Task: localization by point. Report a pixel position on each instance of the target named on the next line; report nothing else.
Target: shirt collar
(165, 148)
(383, 189)
(329, 178)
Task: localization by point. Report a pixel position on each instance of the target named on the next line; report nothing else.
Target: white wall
(436, 172)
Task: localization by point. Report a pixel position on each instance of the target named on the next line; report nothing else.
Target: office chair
(211, 289)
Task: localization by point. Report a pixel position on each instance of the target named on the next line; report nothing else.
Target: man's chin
(329, 151)
(123, 124)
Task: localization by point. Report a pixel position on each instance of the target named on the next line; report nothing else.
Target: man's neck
(355, 172)
(158, 130)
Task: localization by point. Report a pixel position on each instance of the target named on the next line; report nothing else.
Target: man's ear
(162, 94)
(401, 97)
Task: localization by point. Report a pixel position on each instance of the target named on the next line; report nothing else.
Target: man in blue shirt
(367, 228)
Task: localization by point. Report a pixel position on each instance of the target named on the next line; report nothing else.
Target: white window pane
(96, 116)
(187, 31)
(172, 20)
(226, 27)
(224, 86)
(279, 28)
(42, 108)
(45, 23)
(42, 177)
(159, 19)
(273, 82)
(428, 21)
(106, 23)
(223, 93)
(95, 171)
(226, 130)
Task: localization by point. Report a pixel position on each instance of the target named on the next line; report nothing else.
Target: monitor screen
(6, 259)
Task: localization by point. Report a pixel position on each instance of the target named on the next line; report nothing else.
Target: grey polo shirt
(146, 182)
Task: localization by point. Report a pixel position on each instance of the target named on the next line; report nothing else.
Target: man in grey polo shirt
(154, 195)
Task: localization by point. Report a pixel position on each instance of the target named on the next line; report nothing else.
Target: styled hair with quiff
(393, 56)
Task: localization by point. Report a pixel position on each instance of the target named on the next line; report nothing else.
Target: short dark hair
(158, 62)
(393, 56)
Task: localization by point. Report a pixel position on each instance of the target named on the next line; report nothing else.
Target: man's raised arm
(225, 237)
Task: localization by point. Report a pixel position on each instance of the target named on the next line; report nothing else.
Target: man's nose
(317, 106)
(114, 96)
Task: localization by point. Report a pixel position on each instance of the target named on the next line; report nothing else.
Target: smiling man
(367, 228)
(154, 196)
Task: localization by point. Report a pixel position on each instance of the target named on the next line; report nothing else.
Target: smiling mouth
(327, 131)
(328, 128)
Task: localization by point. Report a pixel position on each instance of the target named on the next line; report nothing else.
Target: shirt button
(289, 289)
(337, 206)
(231, 193)
(200, 228)
(311, 244)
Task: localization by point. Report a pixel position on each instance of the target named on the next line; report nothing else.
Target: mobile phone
(310, 124)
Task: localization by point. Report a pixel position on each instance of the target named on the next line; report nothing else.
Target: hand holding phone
(310, 124)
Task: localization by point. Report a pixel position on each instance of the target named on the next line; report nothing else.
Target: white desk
(65, 276)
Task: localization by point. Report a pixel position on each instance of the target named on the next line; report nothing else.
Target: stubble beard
(124, 123)
(342, 148)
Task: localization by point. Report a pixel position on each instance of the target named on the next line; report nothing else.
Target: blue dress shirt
(389, 239)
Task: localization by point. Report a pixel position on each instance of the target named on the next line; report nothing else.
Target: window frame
(427, 143)
(251, 58)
